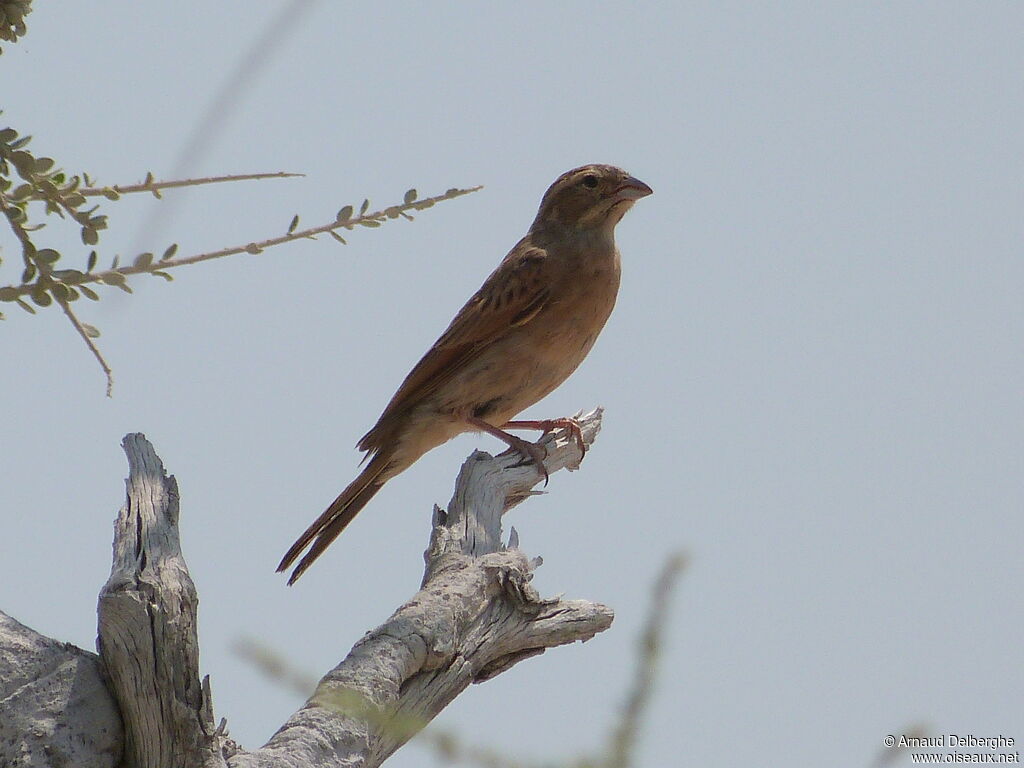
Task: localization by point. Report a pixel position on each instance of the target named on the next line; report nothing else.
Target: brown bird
(521, 335)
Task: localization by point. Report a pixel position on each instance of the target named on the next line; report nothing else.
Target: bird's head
(590, 197)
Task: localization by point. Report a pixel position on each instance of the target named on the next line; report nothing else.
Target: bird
(526, 329)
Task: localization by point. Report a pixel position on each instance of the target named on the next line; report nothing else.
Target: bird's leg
(529, 451)
(547, 425)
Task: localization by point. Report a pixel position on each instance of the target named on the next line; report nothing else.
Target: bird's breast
(532, 360)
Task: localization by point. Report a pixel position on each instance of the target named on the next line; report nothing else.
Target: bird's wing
(510, 297)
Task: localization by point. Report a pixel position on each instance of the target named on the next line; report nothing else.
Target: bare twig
(153, 186)
(87, 338)
(625, 734)
(373, 219)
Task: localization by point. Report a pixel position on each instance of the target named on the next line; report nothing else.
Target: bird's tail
(340, 513)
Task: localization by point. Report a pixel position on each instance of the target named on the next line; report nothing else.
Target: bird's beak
(632, 189)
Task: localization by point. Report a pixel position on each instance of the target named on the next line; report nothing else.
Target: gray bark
(148, 629)
(475, 616)
(55, 708)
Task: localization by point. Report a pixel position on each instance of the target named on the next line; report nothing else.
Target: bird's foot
(531, 452)
(547, 425)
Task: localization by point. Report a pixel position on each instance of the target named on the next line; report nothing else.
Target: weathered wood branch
(148, 626)
(55, 708)
(475, 616)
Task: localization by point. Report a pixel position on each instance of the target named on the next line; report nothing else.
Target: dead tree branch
(475, 616)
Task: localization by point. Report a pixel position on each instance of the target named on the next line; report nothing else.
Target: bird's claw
(574, 427)
(529, 451)
(549, 425)
(532, 452)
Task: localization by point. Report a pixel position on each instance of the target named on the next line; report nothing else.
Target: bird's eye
(590, 180)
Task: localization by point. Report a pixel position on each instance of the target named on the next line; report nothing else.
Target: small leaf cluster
(42, 180)
(12, 19)
(24, 178)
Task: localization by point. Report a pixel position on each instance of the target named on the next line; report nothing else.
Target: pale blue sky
(813, 378)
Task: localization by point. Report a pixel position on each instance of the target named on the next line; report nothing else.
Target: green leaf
(364, 207)
(148, 182)
(26, 306)
(41, 298)
(48, 256)
(294, 224)
(143, 260)
(8, 293)
(164, 275)
(68, 275)
(111, 194)
(169, 253)
(337, 237)
(345, 213)
(370, 223)
(92, 261)
(29, 273)
(410, 196)
(43, 164)
(91, 331)
(23, 162)
(17, 214)
(113, 278)
(89, 293)
(90, 236)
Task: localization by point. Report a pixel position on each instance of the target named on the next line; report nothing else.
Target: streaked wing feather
(510, 297)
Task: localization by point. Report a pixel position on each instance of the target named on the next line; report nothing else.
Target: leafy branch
(47, 280)
(43, 284)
